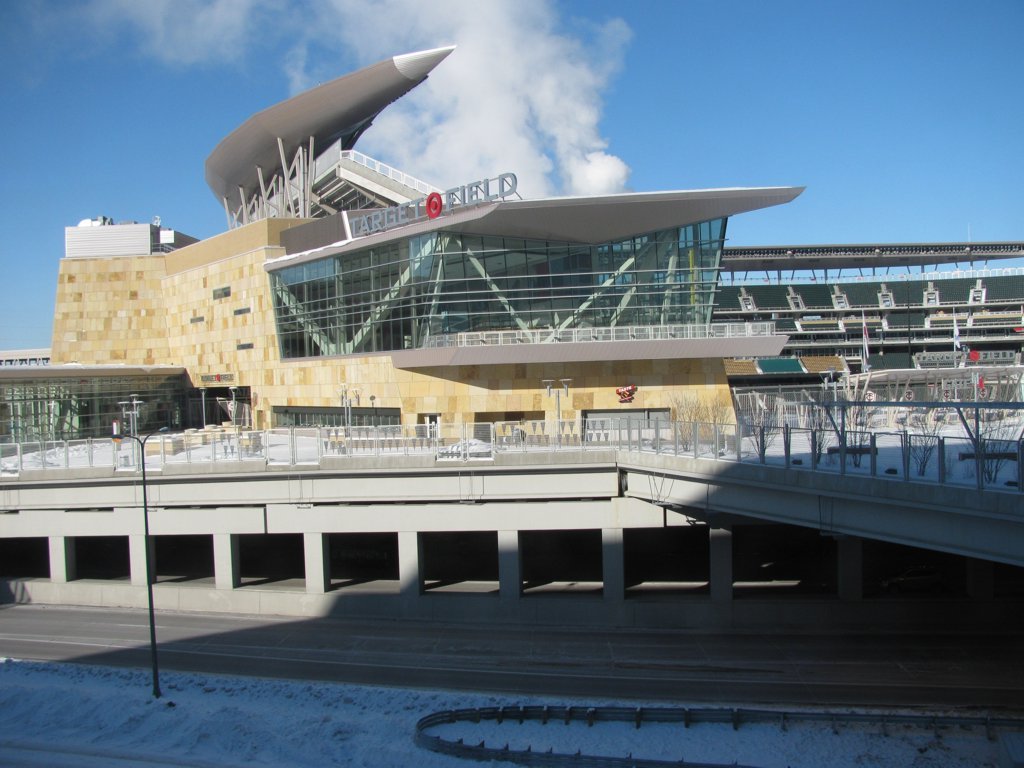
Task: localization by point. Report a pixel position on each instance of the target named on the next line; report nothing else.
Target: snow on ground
(88, 716)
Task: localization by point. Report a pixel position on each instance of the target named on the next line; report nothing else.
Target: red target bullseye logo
(433, 205)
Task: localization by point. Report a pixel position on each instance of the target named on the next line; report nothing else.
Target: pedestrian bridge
(987, 525)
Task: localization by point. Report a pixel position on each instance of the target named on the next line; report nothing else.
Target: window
(197, 319)
(243, 310)
(840, 301)
(222, 293)
(328, 416)
(247, 345)
(931, 298)
(977, 296)
(885, 299)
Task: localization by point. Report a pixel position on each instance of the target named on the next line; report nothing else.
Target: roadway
(864, 669)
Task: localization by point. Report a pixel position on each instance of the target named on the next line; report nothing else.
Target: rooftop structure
(267, 166)
(862, 258)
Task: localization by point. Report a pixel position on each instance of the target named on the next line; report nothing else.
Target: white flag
(956, 334)
(864, 338)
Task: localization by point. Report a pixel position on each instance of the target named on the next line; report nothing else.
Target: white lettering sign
(476, 192)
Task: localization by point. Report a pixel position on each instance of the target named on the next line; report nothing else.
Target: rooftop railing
(386, 170)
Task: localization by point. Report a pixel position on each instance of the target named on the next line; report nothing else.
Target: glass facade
(398, 295)
(65, 408)
(310, 416)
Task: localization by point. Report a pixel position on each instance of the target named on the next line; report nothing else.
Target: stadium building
(379, 313)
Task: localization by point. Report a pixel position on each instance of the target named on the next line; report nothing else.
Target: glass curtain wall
(80, 407)
(398, 295)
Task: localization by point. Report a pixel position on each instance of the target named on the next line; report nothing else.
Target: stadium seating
(780, 365)
(823, 363)
(740, 367)
(816, 296)
(1008, 288)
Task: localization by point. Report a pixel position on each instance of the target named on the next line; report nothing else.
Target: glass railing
(616, 333)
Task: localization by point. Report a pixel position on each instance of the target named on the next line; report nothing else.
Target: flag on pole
(956, 335)
(864, 339)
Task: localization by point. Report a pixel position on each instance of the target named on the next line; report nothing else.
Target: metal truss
(288, 193)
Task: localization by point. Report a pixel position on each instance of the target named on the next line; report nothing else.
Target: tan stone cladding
(110, 310)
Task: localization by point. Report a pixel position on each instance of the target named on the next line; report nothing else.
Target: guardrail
(992, 462)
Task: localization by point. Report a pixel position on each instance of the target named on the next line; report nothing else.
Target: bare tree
(1000, 435)
(816, 419)
(852, 422)
(760, 419)
(924, 439)
(699, 418)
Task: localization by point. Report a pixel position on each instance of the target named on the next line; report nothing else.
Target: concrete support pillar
(850, 568)
(613, 565)
(510, 570)
(140, 561)
(62, 559)
(409, 555)
(226, 564)
(318, 570)
(721, 564)
(980, 579)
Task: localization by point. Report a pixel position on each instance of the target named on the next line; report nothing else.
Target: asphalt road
(868, 669)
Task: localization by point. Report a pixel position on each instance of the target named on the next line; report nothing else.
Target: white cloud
(519, 94)
(184, 32)
(522, 92)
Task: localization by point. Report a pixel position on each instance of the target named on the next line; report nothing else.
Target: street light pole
(549, 384)
(145, 545)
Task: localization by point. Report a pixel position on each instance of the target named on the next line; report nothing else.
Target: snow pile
(98, 715)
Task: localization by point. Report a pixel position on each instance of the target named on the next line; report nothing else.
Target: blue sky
(904, 120)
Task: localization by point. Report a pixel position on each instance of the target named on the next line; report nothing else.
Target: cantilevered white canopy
(591, 220)
(342, 108)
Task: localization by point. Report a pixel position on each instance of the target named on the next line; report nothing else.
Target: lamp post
(346, 404)
(828, 377)
(145, 542)
(202, 395)
(130, 413)
(234, 404)
(550, 384)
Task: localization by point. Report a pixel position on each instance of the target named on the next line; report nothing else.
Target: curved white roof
(342, 108)
(591, 220)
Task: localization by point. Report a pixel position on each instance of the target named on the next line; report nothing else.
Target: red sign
(626, 393)
(434, 205)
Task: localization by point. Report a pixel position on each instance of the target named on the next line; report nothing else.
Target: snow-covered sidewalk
(89, 716)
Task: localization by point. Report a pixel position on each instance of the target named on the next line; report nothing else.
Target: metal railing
(616, 333)
(988, 461)
(386, 170)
